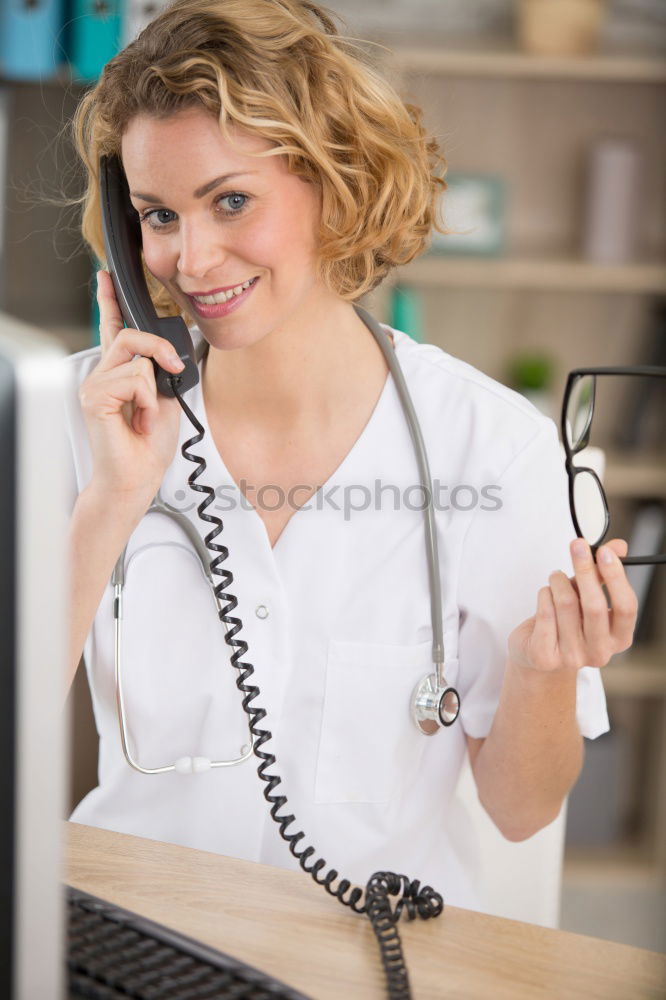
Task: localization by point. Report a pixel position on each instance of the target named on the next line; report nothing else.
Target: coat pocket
(370, 748)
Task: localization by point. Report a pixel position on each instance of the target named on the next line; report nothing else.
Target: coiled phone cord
(412, 898)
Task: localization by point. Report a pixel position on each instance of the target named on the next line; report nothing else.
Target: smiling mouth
(217, 298)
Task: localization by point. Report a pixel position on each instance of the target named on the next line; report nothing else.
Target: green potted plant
(531, 373)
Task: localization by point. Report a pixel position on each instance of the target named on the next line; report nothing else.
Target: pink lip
(222, 308)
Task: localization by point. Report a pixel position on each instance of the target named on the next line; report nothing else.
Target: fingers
(110, 316)
(130, 343)
(595, 615)
(570, 637)
(573, 626)
(544, 633)
(619, 546)
(122, 386)
(120, 345)
(589, 633)
(107, 393)
(624, 604)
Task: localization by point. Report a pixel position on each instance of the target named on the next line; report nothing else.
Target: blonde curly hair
(280, 69)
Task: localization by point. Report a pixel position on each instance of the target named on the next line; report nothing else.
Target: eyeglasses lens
(579, 411)
(590, 507)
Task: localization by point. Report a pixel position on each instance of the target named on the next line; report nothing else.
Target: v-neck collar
(218, 469)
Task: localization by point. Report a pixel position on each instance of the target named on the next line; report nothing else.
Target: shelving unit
(635, 476)
(639, 672)
(536, 273)
(39, 241)
(530, 120)
(480, 58)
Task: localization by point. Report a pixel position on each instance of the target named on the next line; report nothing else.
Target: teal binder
(94, 36)
(94, 315)
(30, 39)
(406, 312)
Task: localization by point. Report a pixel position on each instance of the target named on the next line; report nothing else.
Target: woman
(277, 179)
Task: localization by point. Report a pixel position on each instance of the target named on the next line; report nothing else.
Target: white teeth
(210, 300)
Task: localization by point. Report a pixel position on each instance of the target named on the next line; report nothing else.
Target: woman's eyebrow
(201, 191)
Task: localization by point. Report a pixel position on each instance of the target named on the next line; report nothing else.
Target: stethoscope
(433, 702)
(184, 765)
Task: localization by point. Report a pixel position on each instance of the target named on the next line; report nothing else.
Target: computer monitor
(33, 630)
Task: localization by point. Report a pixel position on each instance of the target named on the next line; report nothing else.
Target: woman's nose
(200, 250)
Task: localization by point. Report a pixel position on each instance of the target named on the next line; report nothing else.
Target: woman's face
(215, 218)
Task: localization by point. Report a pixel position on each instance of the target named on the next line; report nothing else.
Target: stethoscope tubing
(183, 764)
(432, 552)
(432, 690)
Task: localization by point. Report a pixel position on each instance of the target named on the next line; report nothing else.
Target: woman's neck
(296, 374)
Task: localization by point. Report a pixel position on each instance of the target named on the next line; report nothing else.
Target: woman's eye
(160, 218)
(236, 202)
(155, 218)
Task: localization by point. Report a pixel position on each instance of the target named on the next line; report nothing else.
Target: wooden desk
(281, 922)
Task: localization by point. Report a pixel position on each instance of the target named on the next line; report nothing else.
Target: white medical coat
(337, 620)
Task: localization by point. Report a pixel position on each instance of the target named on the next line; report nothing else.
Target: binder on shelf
(646, 539)
(137, 14)
(94, 36)
(406, 313)
(30, 39)
(643, 421)
(4, 160)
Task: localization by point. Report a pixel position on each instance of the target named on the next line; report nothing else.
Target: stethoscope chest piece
(434, 705)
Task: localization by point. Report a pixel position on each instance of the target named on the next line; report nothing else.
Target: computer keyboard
(114, 954)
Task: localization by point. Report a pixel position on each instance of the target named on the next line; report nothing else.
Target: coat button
(261, 611)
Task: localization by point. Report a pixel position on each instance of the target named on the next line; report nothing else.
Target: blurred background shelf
(637, 476)
(485, 58)
(546, 273)
(640, 673)
(628, 863)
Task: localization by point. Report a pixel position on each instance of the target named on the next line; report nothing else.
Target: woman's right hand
(133, 429)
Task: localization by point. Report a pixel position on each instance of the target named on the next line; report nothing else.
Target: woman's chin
(229, 339)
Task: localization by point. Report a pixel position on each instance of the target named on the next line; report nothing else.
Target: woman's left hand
(573, 626)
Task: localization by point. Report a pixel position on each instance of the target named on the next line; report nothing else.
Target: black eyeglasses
(587, 499)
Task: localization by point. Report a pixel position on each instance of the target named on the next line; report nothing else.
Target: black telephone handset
(122, 241)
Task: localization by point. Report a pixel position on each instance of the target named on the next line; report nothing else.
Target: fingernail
(173, 360)
(579, 548)
(606, 556)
